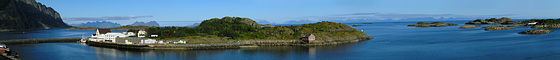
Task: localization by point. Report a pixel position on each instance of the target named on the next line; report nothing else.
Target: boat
(83, 40)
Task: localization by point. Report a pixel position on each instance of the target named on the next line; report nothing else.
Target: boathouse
(308, 38)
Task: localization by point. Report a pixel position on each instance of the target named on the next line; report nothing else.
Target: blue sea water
(392, 41)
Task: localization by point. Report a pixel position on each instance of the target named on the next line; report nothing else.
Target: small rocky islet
(433, 24)
(467, 27)
(540, 31)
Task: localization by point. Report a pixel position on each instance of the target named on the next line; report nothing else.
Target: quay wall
(32, 41)
(227, 45)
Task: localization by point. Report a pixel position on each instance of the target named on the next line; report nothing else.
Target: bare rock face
(28, 14)
(467, 27)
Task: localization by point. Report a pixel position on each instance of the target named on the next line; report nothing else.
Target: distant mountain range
(151, 23)
(107, 24)
(28, 14)
(103, 24)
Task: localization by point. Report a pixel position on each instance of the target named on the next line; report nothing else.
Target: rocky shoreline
(227, 45)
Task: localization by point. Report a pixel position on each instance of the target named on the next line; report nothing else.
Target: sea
(392, 41)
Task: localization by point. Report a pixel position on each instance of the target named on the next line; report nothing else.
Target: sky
(187, 12)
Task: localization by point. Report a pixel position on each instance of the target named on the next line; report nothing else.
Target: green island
(236, 28)
(236, 32)
(433, 24)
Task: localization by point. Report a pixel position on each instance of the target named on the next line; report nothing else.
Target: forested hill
(246, 29)
(28, 14)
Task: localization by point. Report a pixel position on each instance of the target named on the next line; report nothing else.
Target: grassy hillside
(237, 28)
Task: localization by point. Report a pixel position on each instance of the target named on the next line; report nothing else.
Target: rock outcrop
(501, 27)
(434, 24)
(467, 27)
(541, 31)
(28, 14)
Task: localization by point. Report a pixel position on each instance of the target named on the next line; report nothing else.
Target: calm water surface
(393, 41)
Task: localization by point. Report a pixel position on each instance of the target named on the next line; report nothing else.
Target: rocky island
(467, 27)
(540, 31)
(500, 27)
(433, 24)
(503, 20)
(28, 15)
(236, 32)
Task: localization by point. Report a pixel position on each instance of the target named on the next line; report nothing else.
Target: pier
(32, 41)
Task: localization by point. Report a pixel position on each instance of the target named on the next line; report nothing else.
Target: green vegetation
(237, 28)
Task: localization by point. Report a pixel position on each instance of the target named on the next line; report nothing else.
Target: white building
(142, 33)
(106, 35)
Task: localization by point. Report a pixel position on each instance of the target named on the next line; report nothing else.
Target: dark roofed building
(103, 30)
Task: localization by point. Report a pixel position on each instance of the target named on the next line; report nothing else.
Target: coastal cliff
(28, 14)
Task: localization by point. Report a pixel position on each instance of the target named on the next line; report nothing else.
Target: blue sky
(186, 12)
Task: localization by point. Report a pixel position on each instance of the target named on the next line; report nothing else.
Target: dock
(32, 41)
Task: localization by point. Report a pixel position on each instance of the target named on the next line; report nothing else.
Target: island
(540, 31)
(467, 27)
(433, 24)
(500, 27)
(230, 32)
(503, 20)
